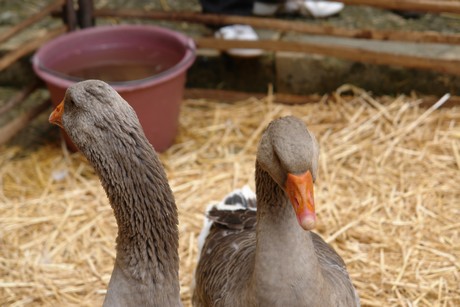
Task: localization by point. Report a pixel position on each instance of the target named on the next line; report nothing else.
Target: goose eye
(69, 101)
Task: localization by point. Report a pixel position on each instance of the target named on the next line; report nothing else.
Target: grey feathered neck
(106, 130)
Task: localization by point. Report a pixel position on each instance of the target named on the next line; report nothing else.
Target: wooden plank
(19, 97)
(29, 47)
(435, 6)
(338, 51)
(286, 25)
(9, 130)
(234, 96)
(31, 20)
(219, 95)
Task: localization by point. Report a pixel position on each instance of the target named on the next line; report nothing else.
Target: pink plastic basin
(156, 98)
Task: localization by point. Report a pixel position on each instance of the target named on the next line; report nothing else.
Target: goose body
(106, 130)
(265, 254)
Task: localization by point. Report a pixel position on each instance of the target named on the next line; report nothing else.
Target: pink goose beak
(56, 116)
(300, 191)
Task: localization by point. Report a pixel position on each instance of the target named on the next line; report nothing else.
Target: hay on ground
(387, 199)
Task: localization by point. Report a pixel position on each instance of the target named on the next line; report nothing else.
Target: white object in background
(240, 32)
(315, 8)
(320, 9)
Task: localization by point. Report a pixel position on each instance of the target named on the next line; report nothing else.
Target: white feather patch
(204, 232)
(246, 192)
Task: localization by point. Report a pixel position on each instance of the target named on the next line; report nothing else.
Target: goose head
(92, 110)
(288, 152)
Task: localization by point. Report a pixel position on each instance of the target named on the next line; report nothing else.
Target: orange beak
(56, 115)
(300, 191)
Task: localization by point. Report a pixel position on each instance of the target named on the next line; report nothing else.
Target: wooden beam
(234, 96)
(285, 25)
(31, 20)
(10, 129)
(435, 6)
(220, 95)
(19, 97)
(29, 47)
(338, 51)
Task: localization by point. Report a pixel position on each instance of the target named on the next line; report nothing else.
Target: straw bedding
(387, 198)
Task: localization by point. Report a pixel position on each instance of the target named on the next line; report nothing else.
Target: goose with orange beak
(259, 250)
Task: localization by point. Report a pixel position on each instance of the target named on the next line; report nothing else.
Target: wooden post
(85, 13)
(69, 15)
